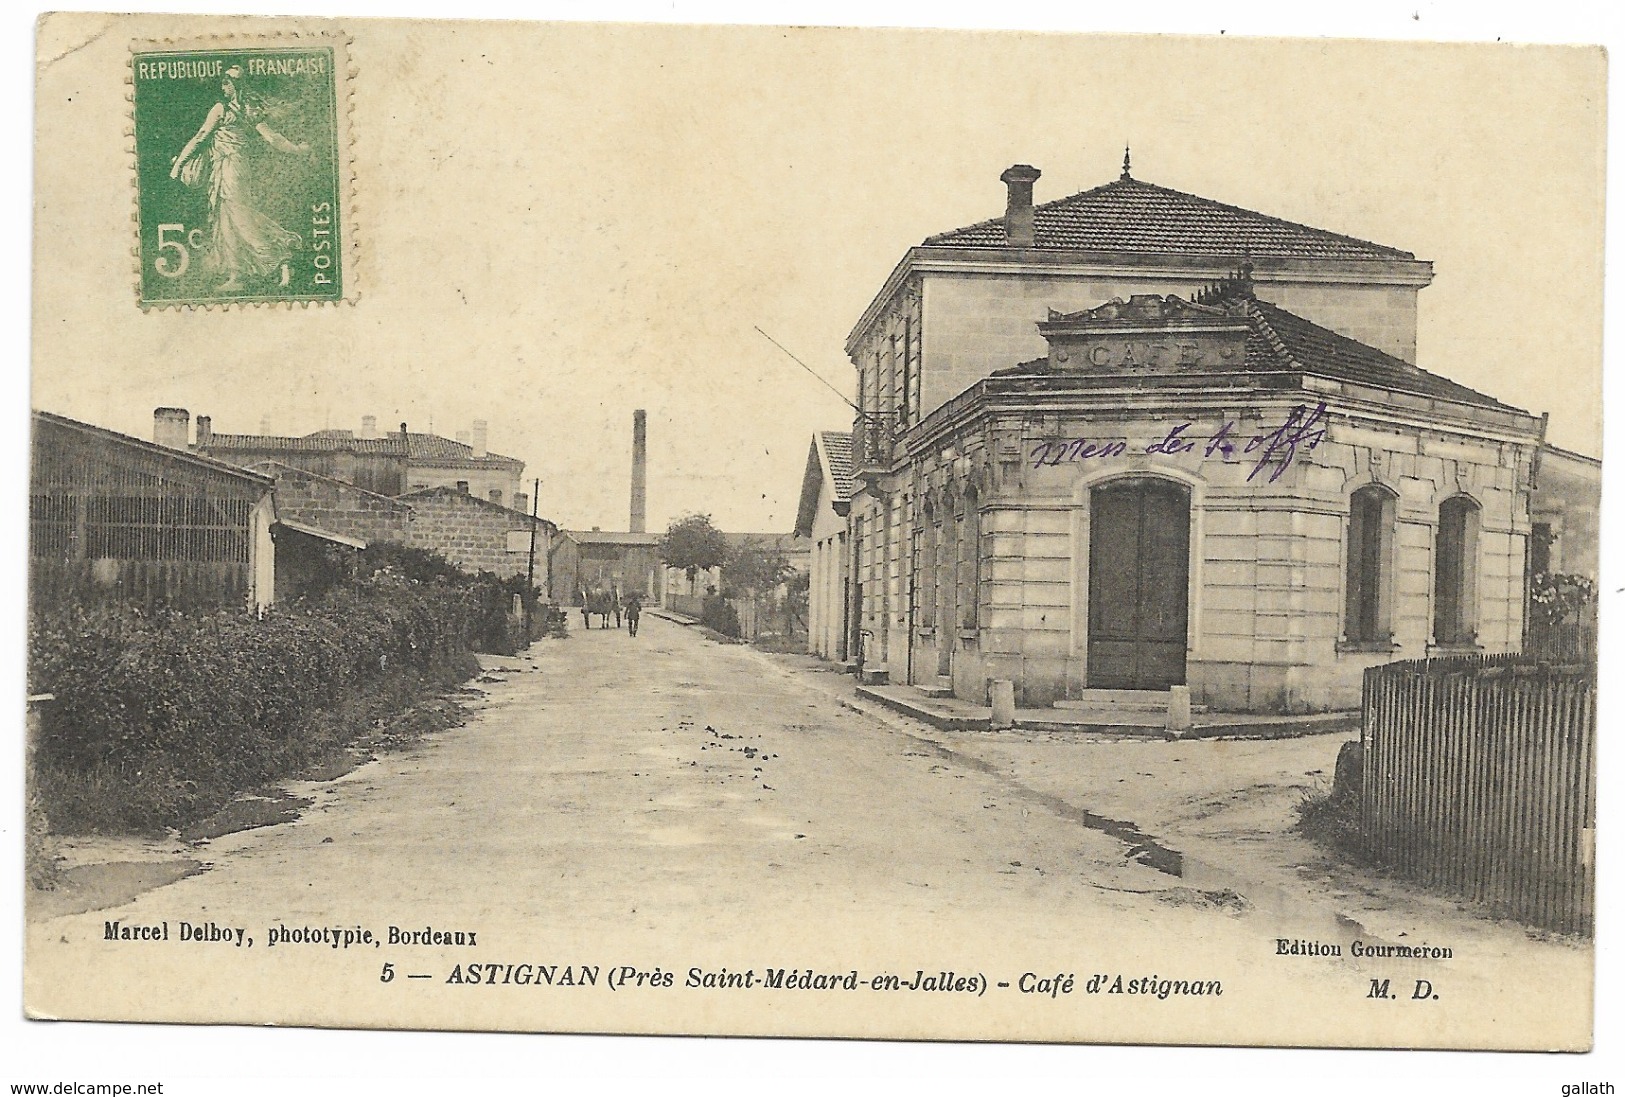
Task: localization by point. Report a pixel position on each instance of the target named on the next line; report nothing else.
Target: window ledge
(1371, 647)
(1468, 648)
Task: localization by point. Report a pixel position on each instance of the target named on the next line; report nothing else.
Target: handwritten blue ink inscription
(1274, 449)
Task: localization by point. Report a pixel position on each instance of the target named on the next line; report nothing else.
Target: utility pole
(530, 564)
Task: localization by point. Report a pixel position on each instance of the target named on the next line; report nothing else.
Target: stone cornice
(988, 398)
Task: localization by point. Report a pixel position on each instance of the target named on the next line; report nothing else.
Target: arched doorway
(1139, 583)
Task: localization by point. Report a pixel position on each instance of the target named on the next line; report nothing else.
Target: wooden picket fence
(1480, 778)
(1573, 637)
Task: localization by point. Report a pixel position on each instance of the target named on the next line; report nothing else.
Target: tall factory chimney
(640, 472)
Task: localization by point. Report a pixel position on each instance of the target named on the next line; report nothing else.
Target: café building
(1198, 480)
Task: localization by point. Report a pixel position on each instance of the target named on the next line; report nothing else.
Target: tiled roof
(835, 466)
(187, 457)
(838, 448)
(783, 541)
(320, 442)
(430, 449)
(433, 448)
(611, 537)
(468, 499)
(1280, 340)
(1134, 216)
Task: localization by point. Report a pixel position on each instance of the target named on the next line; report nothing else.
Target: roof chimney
(170, 427)
(640, 472)
(369, 426)
(1018, 210)
(481, 431)
(205, 431)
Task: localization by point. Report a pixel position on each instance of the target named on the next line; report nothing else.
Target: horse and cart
(604, 603)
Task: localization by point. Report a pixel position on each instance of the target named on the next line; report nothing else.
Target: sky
(561, 224)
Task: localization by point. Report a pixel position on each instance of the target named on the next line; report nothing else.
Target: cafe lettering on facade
(1137, 439)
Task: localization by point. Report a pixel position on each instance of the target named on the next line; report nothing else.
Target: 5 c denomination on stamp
(242, 171)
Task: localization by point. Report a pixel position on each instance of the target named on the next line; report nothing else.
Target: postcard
(884, 534)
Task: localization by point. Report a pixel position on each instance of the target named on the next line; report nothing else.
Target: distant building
(797, 553)
(1564, 514)
(386, 464)
(624, 562)
(826, 500)
(609, 560)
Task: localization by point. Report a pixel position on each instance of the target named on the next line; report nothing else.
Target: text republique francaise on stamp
(241, 171)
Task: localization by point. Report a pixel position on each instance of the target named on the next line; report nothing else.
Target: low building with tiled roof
(620, 561)
(826, 500)
(118, 520)
(1137, 444)
(152, 524)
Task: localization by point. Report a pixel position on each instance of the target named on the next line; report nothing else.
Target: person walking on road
(634, 609)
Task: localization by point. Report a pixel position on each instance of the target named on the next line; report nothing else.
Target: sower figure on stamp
(243, 241)
(634, 609)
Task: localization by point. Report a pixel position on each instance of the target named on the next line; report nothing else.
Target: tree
(692, 544)
(797, 589)
(758, 567)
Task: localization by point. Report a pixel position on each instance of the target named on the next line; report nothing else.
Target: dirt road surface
(669, 805)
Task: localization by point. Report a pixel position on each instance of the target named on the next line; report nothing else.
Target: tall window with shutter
(1368, 581)
(1455, 573)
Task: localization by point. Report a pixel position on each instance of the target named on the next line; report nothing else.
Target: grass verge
(153, 792)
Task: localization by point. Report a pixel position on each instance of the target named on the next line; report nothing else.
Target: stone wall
(315, 500)
(826, 587)
(477, 535)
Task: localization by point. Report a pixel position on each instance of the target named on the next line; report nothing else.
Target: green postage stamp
(242, 171)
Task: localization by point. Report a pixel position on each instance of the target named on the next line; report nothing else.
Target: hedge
(166, 718)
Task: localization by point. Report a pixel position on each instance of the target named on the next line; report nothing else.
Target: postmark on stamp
(242, 172)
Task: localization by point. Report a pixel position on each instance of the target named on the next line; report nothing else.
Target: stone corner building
(1134, 438)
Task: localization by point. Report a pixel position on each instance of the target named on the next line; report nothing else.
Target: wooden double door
(1139, 584)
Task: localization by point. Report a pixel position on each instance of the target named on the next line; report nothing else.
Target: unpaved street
(669, 803)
